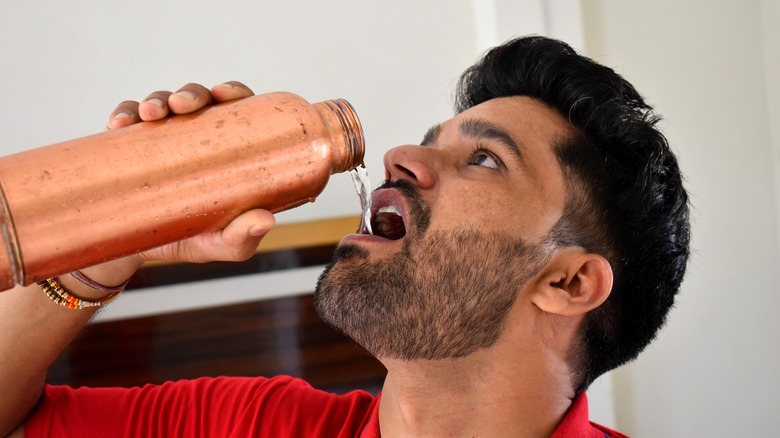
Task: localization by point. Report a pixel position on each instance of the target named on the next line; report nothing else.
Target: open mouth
(387, 219)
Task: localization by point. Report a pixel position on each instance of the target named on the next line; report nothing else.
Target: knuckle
(158, 94)
(237, 84)
(192, 86)
(127, 106)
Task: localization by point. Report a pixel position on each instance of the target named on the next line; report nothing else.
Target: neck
(473, 396)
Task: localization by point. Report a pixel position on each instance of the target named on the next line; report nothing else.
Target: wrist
(114, 272)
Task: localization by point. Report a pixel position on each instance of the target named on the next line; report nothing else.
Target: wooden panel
(311, 233)
(271, 337)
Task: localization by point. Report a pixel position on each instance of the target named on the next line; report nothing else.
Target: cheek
(474, 208)
(522, 214)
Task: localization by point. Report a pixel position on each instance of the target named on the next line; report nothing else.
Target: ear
(572, 283)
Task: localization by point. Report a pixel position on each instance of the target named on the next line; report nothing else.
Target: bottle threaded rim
(353, 132)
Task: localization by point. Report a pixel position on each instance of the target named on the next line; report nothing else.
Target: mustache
(419, 213)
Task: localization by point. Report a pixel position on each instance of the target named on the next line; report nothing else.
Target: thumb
(239, 239)
(236, 242)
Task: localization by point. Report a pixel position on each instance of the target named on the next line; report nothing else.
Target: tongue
(388, 225)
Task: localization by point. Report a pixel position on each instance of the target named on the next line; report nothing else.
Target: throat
(448, 398)
(389, 225)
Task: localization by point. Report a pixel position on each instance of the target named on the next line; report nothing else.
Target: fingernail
(225, 85)
(257, 230)
(121, 115)
(189, 95)
(156, 102)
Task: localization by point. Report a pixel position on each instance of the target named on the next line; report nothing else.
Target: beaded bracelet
(54, 290)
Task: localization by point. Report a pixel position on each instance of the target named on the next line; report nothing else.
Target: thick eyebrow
(431, 135)
(478, 129)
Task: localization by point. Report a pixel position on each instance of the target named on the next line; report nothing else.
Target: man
(531, 243)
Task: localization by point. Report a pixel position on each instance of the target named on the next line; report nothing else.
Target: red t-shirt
(230, 407)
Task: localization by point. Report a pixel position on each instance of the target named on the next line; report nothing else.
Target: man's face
(459, 228)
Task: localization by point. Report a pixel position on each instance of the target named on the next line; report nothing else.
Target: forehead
(520, 116)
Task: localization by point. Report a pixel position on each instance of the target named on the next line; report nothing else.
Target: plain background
(711, 67)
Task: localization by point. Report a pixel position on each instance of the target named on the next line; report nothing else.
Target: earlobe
(574, 282)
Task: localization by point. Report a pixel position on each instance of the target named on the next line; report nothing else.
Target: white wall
(711, 68)
(770, 18)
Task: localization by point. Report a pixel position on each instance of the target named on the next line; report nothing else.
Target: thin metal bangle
(78, 275)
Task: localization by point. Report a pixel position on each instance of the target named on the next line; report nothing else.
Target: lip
(382, 198)
(390, 198)
(364, 239)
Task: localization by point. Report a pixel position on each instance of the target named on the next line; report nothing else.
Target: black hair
(625, 194)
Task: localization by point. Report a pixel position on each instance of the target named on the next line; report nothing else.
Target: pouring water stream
(363, 188)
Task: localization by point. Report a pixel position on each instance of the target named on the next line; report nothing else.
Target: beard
(445, 295)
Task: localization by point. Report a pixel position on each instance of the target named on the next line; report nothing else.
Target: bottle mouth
(353, 131)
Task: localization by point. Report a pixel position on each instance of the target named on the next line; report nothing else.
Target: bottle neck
(347, 130)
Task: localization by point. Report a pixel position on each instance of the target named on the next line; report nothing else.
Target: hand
(239, 239)
(162, 104)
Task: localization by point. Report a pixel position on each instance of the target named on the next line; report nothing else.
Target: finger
(231, 90)
(236, 242)
(155, 106)
(126, 113)
(242, 235)
(189, 98)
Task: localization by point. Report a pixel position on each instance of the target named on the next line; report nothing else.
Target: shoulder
(226, 406)
(287, 406)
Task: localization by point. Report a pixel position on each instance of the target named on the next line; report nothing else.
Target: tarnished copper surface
(85, 201)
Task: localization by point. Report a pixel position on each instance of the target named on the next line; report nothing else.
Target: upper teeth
(389, 209)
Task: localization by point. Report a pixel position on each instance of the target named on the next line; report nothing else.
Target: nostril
(406, 172)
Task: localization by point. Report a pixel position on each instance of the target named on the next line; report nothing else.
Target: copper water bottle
(81, 202)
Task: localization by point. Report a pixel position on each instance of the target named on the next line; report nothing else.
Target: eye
(483, 157)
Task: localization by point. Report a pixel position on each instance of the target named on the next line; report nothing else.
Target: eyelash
(480, 150)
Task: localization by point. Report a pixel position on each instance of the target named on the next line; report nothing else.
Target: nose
(412, 163)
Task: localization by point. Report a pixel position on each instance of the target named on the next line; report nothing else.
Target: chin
(343, 254)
